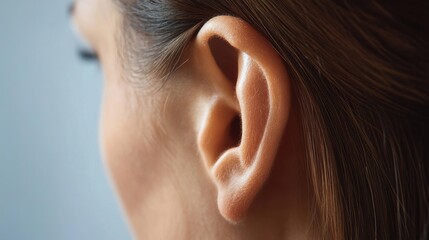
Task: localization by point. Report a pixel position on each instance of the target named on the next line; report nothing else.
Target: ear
(246, 112)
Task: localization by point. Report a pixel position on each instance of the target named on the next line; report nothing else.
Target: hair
(359, 72)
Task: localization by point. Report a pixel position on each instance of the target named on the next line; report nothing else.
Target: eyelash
(88, 55)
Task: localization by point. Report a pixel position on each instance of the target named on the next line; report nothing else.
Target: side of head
(264, 119)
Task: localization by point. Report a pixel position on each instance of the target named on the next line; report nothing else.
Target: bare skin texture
(182, 166)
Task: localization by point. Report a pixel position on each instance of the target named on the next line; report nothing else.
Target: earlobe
(245, 115)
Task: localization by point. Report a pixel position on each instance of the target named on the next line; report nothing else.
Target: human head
(219, 114)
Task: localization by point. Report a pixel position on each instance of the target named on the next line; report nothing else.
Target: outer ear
(247, 111)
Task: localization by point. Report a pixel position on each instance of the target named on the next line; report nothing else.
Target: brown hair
(360, 74)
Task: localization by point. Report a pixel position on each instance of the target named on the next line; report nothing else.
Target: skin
(177, 171)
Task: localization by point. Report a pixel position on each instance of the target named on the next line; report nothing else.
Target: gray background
(52, 181)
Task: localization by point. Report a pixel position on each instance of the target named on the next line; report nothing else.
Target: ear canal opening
(226, 57)
(235, 131)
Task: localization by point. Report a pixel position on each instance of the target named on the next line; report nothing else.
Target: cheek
(138, 159)
(119, 147)
(125, 140)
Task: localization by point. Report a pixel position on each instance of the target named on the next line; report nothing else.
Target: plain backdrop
(52, 182)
